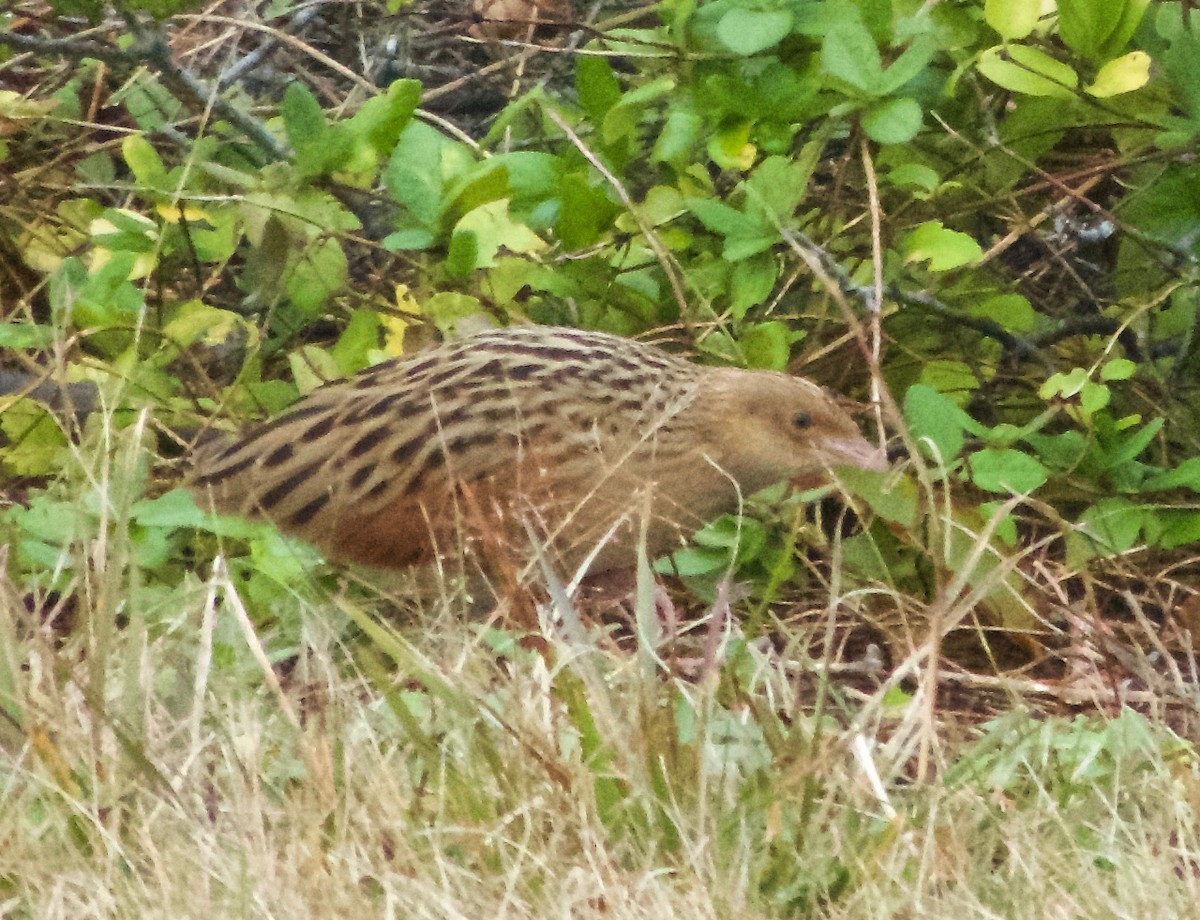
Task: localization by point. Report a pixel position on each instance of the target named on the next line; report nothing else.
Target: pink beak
(857, 452)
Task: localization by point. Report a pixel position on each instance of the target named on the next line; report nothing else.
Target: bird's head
(769, 427)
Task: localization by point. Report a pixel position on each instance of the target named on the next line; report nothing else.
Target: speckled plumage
(570, 435)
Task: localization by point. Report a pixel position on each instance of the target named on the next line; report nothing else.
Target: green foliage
(1066, 761)
(681, 180)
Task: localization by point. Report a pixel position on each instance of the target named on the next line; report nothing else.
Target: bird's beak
(857, 452)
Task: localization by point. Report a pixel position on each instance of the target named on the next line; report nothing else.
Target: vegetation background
(973, 693)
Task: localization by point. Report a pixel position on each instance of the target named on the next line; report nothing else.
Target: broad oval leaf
(748, 32)
(1006, 471)
(1127, 73)
(934, 418)
(893, 121)
(1013, 19)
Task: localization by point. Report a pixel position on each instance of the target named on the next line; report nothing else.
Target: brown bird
(582, 439)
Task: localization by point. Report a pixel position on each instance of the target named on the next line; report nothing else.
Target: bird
(587, 443)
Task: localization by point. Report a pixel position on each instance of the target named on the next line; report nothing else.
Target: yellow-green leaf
(1028, 71)
(1129, 72)
(1013, 19)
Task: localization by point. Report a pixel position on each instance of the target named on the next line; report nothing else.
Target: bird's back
(392, 465)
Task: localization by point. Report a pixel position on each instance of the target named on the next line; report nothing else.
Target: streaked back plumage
(558, 427)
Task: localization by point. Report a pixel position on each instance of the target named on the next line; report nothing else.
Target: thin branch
(150, 50)
(157, 52)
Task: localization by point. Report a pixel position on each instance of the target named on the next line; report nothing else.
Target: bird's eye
(802, 420)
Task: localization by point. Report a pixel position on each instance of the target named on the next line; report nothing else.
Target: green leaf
(1093, 397)
(1062, 451)
(362, 142)
(679, 136)
(462, 257)
(493, 230)
(32, 440)
(145, 163)
(954, 379)
(412, 238)
(911, 64)
(893, 121)
(1137, 442)
(1124, 75)
(730, 148)
(694, 561)
(319, 272)
(1011, 311)
(422, 165)
(26, 335)
(1111, 526)
(1029, 71)
(1013, 19)
(1180, 528)
(1085, 25)
(625, 118)
(893, 498)
(315, 143)
(1131, 13)
(355, 345)
(777, 186)
(312, 367)
(1187, 475)
(943, 249)
(746, 31)
(1065, 385)
(383, 118)
(170, 511)
(916, 175)
(936, 418)
(586, 213)
(751, 282)
(1118, 369)
(767, 345)
(597, 87)
(721, 218)
(1006, 471)
(448, 307)
(850, 54)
